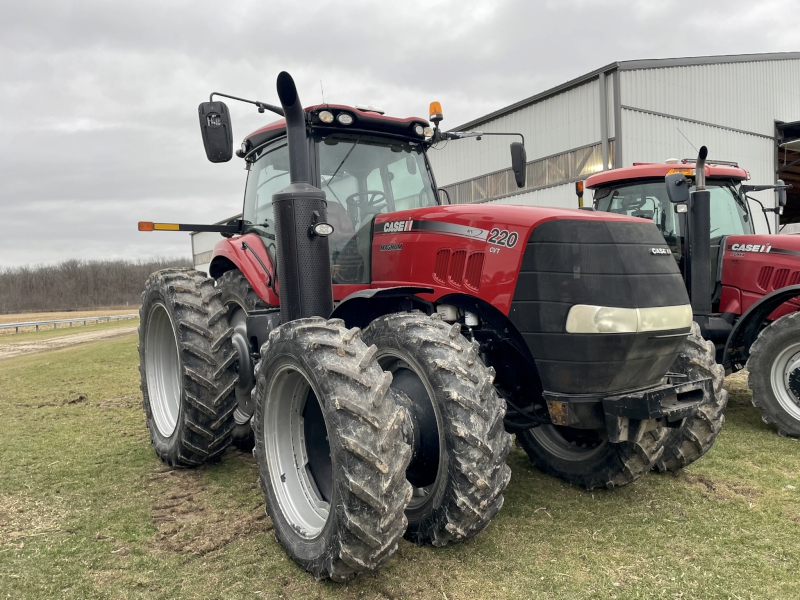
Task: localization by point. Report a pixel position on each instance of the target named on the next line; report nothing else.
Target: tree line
(78, 284)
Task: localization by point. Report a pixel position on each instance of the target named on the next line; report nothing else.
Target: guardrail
(56, 322)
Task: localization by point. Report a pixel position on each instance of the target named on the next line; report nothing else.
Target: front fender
(360, 308)
(248, 254)
(747, 328)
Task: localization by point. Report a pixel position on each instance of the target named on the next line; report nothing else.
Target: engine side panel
(755, 265)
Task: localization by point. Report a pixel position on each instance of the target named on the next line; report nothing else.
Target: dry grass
(88, 511)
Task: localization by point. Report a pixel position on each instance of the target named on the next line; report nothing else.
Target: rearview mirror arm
(262, 106)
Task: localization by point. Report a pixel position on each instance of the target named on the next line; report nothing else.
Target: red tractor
(744, 287)
(382, 345)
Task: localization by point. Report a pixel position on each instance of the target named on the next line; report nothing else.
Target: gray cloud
(99, 99)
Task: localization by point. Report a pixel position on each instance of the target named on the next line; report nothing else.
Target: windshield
(361, 176)
(648, 200)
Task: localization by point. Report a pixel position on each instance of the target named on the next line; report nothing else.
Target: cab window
(268, 174)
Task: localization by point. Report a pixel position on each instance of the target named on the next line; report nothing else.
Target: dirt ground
(28, 347)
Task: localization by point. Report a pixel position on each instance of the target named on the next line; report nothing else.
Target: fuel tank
(534, 265)
(755, 265)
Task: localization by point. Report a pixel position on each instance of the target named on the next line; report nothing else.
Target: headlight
(419, 130)
(326, 116)
(583, 318)
(428, 131)
(322, 229)
(345, 119)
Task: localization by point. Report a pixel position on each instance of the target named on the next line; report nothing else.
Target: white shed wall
(563, 122)
(747, 96)
(561, 196)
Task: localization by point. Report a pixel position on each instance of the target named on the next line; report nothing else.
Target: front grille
(603, 263)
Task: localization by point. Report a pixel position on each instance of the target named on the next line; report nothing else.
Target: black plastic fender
(360, 308)
(747, 328)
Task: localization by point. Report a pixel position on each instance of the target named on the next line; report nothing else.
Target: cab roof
(661, 170)
(362, 120)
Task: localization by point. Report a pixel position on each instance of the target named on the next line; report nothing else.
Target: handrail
(56, 322)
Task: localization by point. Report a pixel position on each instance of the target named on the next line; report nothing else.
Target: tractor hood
(534, 265)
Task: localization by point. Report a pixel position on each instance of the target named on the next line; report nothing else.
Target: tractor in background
(744, 287)
(377, 346)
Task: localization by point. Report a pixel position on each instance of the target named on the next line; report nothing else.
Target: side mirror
(677, 188)
(781, 193)
(215, 126)
(518, 163)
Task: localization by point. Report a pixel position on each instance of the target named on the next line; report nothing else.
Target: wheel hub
(785, 379)
(425, 434)
(245, 368)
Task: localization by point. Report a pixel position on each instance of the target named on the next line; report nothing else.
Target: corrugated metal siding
(748, 96)
(562, 196)
(649, 138)
(568, 120)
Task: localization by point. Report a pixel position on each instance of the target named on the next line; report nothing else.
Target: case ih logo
(660, 251)
(395, 226)
(750, 247)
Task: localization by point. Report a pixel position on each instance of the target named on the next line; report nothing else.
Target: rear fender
(246, 253)
(747, 328)
(360, 308)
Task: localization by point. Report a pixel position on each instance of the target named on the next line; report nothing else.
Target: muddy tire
(586, 457)
(460, 445)
(696, 435)
(333, 469)
(774, 367)
(186, 361)
(240, 299)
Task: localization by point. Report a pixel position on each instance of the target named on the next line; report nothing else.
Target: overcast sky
(99, 99)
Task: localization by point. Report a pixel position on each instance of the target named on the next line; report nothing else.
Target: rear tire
(458, 471)
(696, 435)
(186, 362)
(240, 299)
(330, 448)
(774, 366)
(586, 457)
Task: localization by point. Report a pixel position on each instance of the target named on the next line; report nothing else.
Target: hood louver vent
(472, 276)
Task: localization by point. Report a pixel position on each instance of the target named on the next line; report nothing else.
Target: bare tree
(78, 284)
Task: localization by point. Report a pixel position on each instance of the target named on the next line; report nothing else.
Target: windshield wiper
(346, 156)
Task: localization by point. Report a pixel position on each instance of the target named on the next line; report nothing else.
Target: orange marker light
(579, 187)
(145, 226)
(689, 172)
(436, 112)
(166, 227)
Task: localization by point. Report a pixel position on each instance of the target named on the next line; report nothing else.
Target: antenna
(687, 139)
(321, 91)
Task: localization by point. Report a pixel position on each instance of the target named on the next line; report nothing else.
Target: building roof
(630, 65)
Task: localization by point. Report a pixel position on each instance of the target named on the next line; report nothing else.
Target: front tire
(774, 367)
(586, 458)
(696, 435)
(186, 363)
(458, 471)
(330, 448)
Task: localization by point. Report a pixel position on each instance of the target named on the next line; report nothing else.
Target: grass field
(87, 511)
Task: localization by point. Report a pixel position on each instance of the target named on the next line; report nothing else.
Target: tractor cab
(371, 166)
(639, 191)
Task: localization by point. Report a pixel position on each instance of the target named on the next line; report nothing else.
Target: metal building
(744, 108)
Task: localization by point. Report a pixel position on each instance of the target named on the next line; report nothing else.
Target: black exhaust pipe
(304, 267)
(700, 268)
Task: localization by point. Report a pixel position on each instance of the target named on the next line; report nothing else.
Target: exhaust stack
(298, 208)
(700, 268)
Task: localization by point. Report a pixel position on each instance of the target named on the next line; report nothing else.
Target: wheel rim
(425, 470)
(163, 368)
(570, 444)
(784, 376)
(298, 452)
